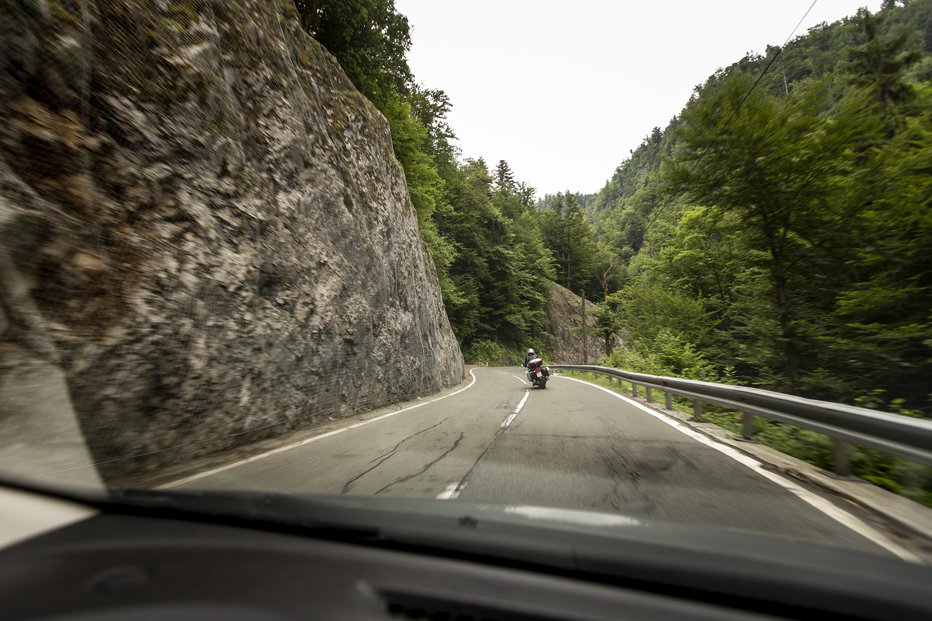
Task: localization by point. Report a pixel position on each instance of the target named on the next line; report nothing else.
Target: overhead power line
(756, 82)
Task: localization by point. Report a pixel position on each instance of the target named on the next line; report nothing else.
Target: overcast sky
(564, 90)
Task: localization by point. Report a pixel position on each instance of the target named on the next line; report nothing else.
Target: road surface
(572, 445)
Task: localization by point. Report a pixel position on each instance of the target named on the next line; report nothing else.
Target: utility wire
(702, 153)
(753, 86)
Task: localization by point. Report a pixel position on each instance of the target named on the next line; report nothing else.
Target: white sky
(564, 90)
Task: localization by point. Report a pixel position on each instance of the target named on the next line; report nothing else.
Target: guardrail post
(667, 400)
(634, 389)
(647, 394)
(747, 426)
(697, 409)
(841, 451)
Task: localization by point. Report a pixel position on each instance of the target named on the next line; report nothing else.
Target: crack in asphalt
(626, 474)
(462, 482)
(381, 459)
(626, 471)
(425, 468)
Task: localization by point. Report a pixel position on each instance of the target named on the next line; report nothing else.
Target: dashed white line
(450, 493)
(282, 449)
(821, 504)
(520, 379)
(454, 489)
(511, 417)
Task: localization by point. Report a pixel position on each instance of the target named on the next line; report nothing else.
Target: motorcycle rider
(530, 356)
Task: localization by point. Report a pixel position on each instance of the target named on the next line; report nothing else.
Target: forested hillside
(778, 233)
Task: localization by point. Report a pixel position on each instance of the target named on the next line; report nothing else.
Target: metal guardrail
(845, 424)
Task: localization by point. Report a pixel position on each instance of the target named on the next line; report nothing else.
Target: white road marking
(450, 492)
(454, 489)
(511, 417)
(282, 449)
(839, 515)
(520, 379)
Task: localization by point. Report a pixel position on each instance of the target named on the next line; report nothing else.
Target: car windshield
(601, 263)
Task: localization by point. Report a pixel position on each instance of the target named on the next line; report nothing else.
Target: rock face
(203, 226)
(564, 313)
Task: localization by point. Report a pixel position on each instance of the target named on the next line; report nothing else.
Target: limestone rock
(564, 314)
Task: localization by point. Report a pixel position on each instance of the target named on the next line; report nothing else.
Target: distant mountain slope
(822, 51)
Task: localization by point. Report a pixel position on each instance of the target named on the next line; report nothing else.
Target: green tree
(884, 308)
(369, 38)
(568, 235)
(607, 316)
(500, 261)
(881, 63)
(606, 269)
(504, 178)
(772, 163)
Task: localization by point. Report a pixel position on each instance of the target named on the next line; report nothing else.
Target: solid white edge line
(282, 449)
(839, 515)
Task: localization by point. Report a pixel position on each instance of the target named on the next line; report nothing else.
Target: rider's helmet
(530, 352)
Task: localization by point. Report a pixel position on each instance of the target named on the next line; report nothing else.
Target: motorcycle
(537, 372)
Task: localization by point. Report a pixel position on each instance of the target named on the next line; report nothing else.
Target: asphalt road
(571, 445)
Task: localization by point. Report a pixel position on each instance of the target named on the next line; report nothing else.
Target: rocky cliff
(565, 321)
(203, 229)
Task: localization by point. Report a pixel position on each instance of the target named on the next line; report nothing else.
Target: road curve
(571, 445)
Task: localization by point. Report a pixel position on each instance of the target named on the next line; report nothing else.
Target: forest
(779, 236)
(777, 233)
